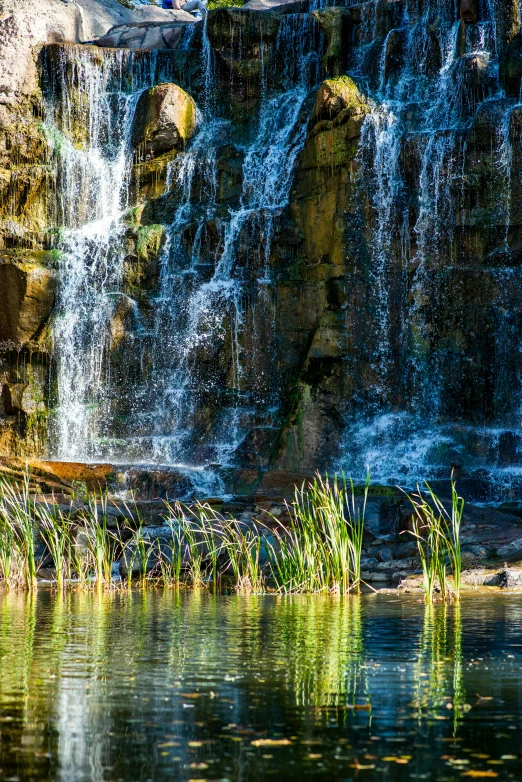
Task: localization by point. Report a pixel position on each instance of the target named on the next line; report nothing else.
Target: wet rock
(27, 294)
(514, 507)
(468, 11)
(165, 119)
(408, 548)
(375, 576)
(94, 476)
(398, 564)
(511, 579)
(335, 23)
(481, 577)
(511, 67)
(512, 551)
(337, 95)
(385, 554)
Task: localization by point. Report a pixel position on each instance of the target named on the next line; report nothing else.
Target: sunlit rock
(165, 119)
(27, 294)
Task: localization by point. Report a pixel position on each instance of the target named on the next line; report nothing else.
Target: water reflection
(174, 685)
(439, 667)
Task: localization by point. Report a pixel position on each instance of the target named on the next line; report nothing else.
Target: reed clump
(437, 531)
(321, 549)
(318, 550)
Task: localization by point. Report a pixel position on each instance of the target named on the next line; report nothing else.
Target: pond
(185, 685)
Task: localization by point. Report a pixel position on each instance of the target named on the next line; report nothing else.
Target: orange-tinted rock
(95, 476)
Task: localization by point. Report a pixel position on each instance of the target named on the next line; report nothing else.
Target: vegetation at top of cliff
(213, 4)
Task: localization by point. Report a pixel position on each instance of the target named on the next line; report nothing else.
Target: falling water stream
(408, 427)
(189, 353)
(194, 298)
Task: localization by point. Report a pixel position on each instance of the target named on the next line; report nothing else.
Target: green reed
(18, 522)
(318, 550)
(101, 543)
(54, 527)
(242, 546)
(321, 549)
(437, 531)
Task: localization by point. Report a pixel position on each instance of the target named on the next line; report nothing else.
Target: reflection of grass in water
(325, 651)
(438, 670)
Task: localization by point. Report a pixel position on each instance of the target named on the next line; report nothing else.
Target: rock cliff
(313, 258)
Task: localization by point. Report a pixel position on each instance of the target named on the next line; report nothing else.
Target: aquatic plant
(8, 551)
(17, 515)
(437, 531)
(54, 527)
(321, 550)
(242, 545)
(100, 542)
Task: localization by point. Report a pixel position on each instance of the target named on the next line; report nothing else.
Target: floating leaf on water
(195, 743)
(271, 743)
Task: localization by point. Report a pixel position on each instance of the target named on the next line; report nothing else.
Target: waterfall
(197, 308)
(198, 295)
(414, 160)
(184, 370)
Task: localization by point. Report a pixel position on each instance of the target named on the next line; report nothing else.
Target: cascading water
(166, 372)
(208, 266)
(435, 76)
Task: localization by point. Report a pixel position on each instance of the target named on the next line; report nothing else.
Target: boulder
(512, 551)
(27, 294)
(337, 95)
(165, 119)
(511, 579)
(147, 35)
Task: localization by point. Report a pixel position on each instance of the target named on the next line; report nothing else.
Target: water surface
(191, 686)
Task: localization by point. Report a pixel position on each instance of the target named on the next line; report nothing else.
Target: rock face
(28, 278)
(27, 294)
(319, 282)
